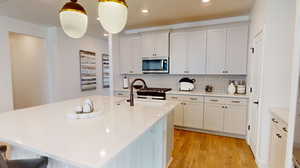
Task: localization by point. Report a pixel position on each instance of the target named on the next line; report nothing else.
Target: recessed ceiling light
(145, 11)
(205, 1)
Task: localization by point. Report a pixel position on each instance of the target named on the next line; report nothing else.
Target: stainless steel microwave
(155, 65)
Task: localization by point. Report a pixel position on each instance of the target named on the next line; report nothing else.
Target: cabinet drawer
(236, 101)
(195, 99)
(121, 94)
(215, 100)
(175, 98)
(279, 124)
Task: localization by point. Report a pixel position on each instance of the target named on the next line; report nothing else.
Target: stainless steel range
(153, 93)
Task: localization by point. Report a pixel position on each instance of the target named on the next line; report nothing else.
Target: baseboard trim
(212, 132)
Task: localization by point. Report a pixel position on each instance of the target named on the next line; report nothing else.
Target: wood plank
(198, 150)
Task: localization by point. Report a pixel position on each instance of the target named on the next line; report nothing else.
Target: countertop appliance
(154, 65)
(153, 93)
(186, 84)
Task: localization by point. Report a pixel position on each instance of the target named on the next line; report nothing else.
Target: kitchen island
(120, 136)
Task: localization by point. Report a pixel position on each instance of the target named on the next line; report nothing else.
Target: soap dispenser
(125, 82)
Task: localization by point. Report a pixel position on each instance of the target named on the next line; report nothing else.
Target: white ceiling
(161, 11)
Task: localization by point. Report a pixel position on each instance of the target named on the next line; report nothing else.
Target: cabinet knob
(284, 129)
(274, 120)
(278, 135)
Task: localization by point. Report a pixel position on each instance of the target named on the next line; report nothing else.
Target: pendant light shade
(113, 15)
(73, 19)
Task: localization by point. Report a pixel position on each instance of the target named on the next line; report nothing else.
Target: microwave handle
(162, 64)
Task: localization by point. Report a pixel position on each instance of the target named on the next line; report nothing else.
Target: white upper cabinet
(188, 52)
(227, 50)
(216, 51)
(155, 44)
(196, 52)
(178, 61)
(130, 54)
(237, 50)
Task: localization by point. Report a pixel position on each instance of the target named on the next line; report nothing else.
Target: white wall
(276, 19)
(65, 66)
(29, 70)
(11, 25)
(62, 56)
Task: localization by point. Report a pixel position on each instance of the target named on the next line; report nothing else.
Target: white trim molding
(235, 19)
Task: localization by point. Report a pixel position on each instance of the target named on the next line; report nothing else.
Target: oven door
(155, 65)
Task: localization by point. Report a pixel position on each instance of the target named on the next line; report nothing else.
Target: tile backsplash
(219, 82)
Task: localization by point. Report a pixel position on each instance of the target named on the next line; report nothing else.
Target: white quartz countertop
(281, 113)
(86, 143)
(199, 93)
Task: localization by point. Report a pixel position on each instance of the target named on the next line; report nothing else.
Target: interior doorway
(29, 70)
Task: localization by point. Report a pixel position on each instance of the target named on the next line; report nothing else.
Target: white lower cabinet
(193, 115)
(278, 144)
(225, 115)
(213, 116)
(217, 114)
(235, 119)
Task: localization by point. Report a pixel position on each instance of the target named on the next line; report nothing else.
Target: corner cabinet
(130, 54)
(155, 44)
(188, 52)
(227, 50)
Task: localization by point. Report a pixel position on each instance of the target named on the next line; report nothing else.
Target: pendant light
(113, 15)
(73, 19)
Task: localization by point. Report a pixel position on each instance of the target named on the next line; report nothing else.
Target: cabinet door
(237, 50)
(235, 119)
(277, 148)
(178, 115)
(193, 115)
(213, 116)
(148, 44)
(130, 55)
(125, 55)
(178, 53)
(216, 51)
(196, 52)
(161, 44)
(136, 64)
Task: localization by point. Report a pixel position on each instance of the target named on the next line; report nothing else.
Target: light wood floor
(197, 150)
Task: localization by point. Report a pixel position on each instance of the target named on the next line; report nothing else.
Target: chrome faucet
(131, 89)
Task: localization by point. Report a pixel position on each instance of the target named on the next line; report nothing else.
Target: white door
(193, 115)
(196, 52)
(216, 51)
(235, 119)
(178, 56)
(213, 116)
(148, 44)
(237, 50)
(161, 44)
(255, 94)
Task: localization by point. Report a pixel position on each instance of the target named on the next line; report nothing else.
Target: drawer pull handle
(284, 129)
(193, 98)
(174, 97)
(214, 100)
(120, 94)
(278, 135)
(236, 101)
(274, 120)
